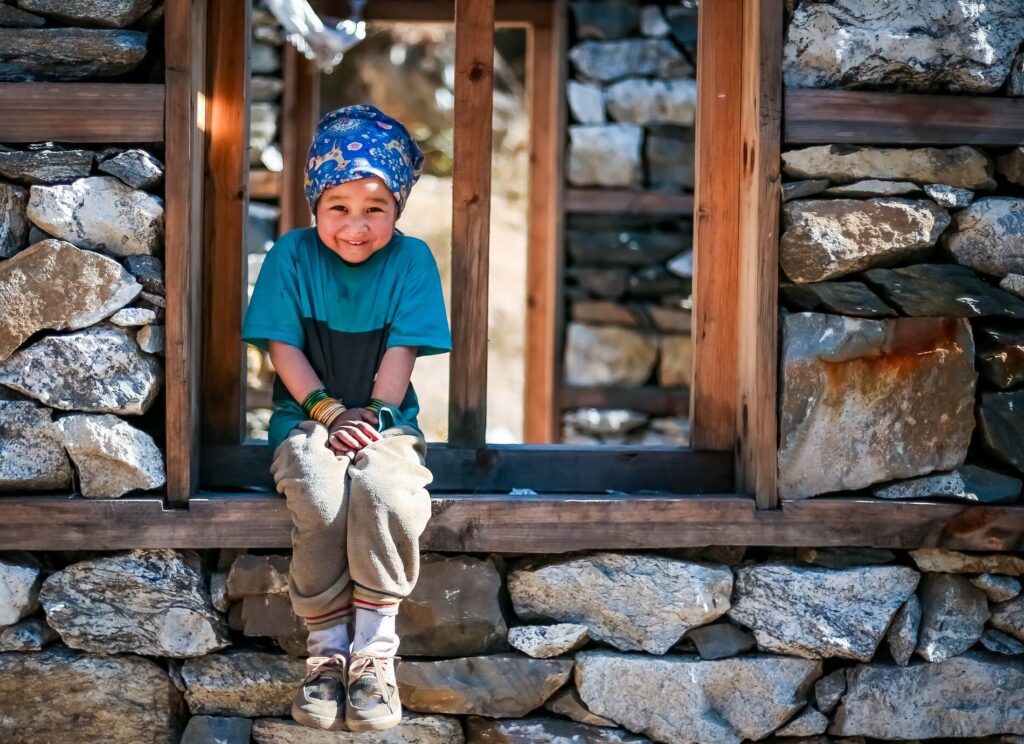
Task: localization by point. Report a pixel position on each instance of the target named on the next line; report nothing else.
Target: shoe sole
(360, 726)
(317, 722)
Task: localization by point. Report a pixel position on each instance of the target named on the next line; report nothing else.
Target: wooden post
(227, 204)
(471, 209)
(185, 34)
(300, 111)
(716, 226)
(546, 84)
(757, 300)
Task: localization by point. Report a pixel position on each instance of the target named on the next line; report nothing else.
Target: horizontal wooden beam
(860, 117)
(507, 12)
(531, 524)
(624, 201)
(81, 112)
(502, 468)
(657, 401)
(264, 184)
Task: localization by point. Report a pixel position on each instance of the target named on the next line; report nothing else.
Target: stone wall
(631, 98)
(903, 300)
(712, 646)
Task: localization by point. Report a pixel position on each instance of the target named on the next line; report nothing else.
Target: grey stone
(606, 155)
(28, 54)
(670, 153)
(605, 421)
(454, 609)
(262, 128)
(19, 592)
(940, 560)
(904, 630)
(968, 483)
(802, 189)
(1015, 80)
(953, 616)
(264, 88)
(154, 300)
(633, 602)
(257, 575)
(622, 247)
(606, 283)
(809, 722)
(681, 265)
(152, 339)
(60, 695)
(684, 700)
(567, 702)
(997, 588)
(242, 683)
(965, 167)
(133, 317)
(845, 557)
(107, 13)
(1001, 355)
(586, 102)
(14, 224)
(112, 456)
(1000, 643)
(828, 238)
(641, 101)
(933, 290)
(28, 635)
(1001, 427)
(905, 380)
(498, 686)
(721, 640)
(412, 730)
(219, 591)
(948, 196)
(100, 213)
(53, 285)
(605, 20)
(46, 166)
(683, 21)
(32, 455)
(99, 370)
(268, 615)
(966, 696)
(606, 61)
(873, 187)
(606, 355)
(212, 730)
(1009, 617)
(923, 45)
(829, 690)
(151, 602)
(655, 282)
(989, 236)
(1011, 165)
(137, 168)
(816, 612)
(545, 641)
(543, 731)
(264, 59)
(841, 298)
(653, 23)
(11, 17)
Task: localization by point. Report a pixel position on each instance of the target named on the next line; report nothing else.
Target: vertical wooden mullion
(760, 197)
(300, 110)
(716, 226)
(471, 207)
(227, 205)
(185, 41)
(545, 85)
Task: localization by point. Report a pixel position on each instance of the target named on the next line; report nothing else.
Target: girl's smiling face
(357, 218)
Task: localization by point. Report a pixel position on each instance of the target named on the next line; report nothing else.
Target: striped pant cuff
(329, 619)
(382, 604)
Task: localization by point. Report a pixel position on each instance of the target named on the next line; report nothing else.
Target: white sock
(329, 641)
(375, 633)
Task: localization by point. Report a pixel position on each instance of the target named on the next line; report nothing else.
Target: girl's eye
(374, 209)
(339, 208)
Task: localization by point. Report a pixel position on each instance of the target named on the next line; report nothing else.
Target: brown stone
(675, 362)
(608, 355)
(242, 683)
(68, 53)
(605, 283)
(258, 574)
(940, 560)
(670, 319)
(604, 313)
(966, 167)
(1011, 165)
(269, 615)
(1009, 617)
(567, 702)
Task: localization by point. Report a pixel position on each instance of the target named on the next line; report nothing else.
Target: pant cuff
(382, 604)
(330, 619)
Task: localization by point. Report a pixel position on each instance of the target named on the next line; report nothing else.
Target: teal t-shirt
(344, 316)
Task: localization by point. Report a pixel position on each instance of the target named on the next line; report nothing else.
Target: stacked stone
(75, 41)
(81, 319)
(706, 646)
(632, 98)
(903, 338)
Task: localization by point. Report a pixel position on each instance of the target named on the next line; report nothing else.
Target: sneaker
(372, 702)
(320, 702)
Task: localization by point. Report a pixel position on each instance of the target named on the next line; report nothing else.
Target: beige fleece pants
(356, 521)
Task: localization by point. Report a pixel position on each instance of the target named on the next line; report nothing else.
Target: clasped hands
(351, 431)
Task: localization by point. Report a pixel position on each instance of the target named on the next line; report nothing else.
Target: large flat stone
(873, 187)
(111, 456)
(14, 224)
(242, 683)
(968, 696)
(413, 729)
(948, 290)
(607, 355)
(60, 695)
(605, 155)
(940, 560)
(55, 286)
(136, 168)
(682, 700)
(922, 45)
(829, 238)
(640, 101)
(32, 455)
(498, 686)
(842, 298)
(11, 17)
(968, 483)
(966, 167)
(45, 166)
(1001, 427)
(99, 369)
(953, 616)
(989, 236)
(606, 61)
(818, 613)
(543, 731)
(151, 602)
(108, 13)
(28, 54)
(849, 385)
(633, 602)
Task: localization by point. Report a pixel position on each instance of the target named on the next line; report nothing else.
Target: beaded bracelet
(313, 398)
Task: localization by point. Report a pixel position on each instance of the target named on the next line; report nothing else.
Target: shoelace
(331, 666)
(359, 667)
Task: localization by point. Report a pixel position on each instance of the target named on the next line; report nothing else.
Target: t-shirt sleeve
(420, 319)
(274, 312)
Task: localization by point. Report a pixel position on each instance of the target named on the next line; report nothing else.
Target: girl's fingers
(343, 436)
(368, 430)
(369, 417)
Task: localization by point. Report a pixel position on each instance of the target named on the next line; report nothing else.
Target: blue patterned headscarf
(357, 142)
